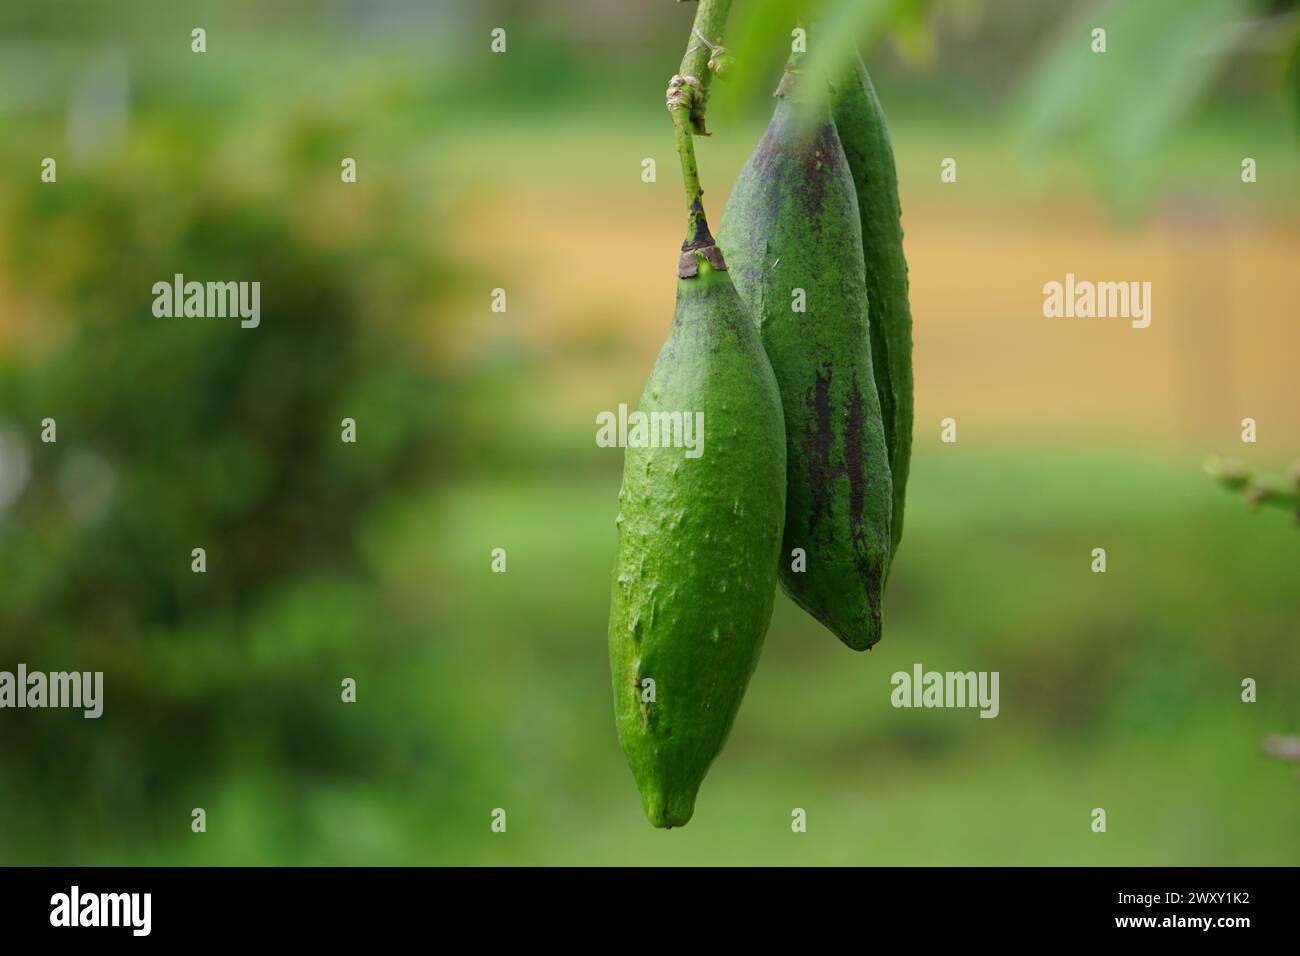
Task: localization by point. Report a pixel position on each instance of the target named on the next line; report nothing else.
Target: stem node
(687, 95)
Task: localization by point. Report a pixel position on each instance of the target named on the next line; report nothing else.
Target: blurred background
(522, 171)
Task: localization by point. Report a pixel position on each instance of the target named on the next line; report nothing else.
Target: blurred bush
(179, 433)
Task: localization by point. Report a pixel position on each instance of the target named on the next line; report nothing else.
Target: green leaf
(1117, 105)
(842, 27)
(758, 36)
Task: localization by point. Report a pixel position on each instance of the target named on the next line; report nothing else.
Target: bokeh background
(476, 431)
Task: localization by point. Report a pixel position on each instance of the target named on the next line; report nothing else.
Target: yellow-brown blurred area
(586, 265)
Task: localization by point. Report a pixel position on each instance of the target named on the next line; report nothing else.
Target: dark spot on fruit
(869, 575)
(819, 444)
(855, 454)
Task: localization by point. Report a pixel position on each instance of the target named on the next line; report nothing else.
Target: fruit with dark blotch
(698, 539)
(791, 223)
(860, 122)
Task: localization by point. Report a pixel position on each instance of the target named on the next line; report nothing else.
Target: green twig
(687, 96)
(1257, 489)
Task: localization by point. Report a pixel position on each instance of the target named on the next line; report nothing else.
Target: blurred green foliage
(177, 433)
(1119, 690)
(1158, 58)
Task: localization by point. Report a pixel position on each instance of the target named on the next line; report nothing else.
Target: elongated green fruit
(791, 236)
(699, 528)
(860, 122)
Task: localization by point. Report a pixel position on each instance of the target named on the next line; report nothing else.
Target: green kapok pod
(698, 536)
(793, 241)
(863, 132)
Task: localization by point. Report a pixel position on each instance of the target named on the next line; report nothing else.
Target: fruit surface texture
(791, 235)
(698, 539)
(864, 134)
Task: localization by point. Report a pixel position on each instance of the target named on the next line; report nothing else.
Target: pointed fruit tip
(668, 811)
